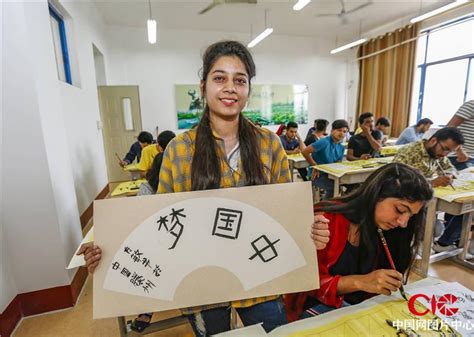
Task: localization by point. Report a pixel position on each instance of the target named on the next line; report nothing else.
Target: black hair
(153, 174)
(145, 137)
(321, 124)
(164, 138)
(364, 116)
(449, 133)
(383, 121)
(424, 121)
(291, 125)
(205, 165)
(340, 123)
(393, 180)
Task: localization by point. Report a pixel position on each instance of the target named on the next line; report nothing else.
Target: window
(60, 45)
(444, 76)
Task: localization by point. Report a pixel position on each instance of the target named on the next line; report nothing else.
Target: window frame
(53, 13)
(424, 66)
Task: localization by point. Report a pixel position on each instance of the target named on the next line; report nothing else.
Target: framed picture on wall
(269, 104)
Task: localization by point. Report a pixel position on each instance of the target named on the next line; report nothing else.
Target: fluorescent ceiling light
(439, 10)
(151, 31)
(260, 37)
(300, 4)
(349, 45)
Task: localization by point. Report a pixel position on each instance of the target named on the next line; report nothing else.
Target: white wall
(176, 59)
(81, 105)
(51, 148)
(7, 284)
(30, 220)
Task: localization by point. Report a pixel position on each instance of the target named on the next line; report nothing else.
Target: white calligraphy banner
(185, 249)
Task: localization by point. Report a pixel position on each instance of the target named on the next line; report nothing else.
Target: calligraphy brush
(444, 173)
(389, 256)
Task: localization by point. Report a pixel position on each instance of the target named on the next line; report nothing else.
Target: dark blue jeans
(213, 321)
(326, 184)
(452, 230)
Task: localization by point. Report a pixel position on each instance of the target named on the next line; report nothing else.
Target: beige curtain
(386, 78)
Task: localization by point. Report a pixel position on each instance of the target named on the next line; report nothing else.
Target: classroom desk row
(351, 172)
(297, 161)
(456, 202)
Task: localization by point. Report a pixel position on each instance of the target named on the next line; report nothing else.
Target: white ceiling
(183, 15)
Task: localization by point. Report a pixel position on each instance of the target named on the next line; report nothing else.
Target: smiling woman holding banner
(374, 234)
(225, 150)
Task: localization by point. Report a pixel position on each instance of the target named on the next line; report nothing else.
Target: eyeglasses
(445, 148)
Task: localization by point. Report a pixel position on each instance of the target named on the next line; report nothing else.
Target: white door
(121, 119)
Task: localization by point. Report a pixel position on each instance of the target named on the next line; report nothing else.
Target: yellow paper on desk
(372, 322)
(127, 187)
(131, 167)
(297, 156)
(390, 150)
(463, 187)
(340, 168)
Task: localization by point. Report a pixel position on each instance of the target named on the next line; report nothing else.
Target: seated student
(415, 132)
(152, 175)
(144, 139)
(319, 131)
(148, 188)
(354, 266)
(381, 126)
(366, 144)
(327, 150)
(292, 144)
(430, 157)
(148, 154)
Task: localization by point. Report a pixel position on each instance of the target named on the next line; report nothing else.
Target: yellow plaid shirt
(175, 176)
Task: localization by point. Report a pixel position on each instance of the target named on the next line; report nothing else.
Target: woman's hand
(314, 174)
(320, 231)
(92, 255)
(381, 281)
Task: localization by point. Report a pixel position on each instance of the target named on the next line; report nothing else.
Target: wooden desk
(296, 161)
(443, 202)
(351, 172)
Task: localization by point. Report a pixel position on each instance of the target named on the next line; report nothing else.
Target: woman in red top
(354, 266)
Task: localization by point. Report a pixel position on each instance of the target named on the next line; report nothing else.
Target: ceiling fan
(343, 13)
(222, 2)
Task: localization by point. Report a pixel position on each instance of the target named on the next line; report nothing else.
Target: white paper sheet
(78, 260)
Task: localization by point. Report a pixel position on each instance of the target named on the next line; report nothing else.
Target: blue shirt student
(326, 151)
(144, 139)
(134, 152)
(289, 145)
(415, 132)
(409, 135)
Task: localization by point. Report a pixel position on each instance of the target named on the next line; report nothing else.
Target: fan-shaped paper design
(181, 238)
